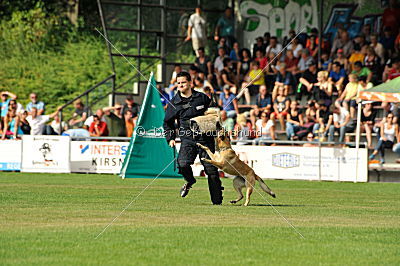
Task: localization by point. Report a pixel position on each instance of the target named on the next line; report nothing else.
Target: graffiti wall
(276, 17)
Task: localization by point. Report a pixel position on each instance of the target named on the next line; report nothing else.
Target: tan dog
(227, 160)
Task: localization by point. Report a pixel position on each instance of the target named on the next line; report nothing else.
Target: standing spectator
(360, 71)
(307, 81)
(98, 128)
(203, 63)
(281, 107)
(12, 127)
(227, 122)
(390, 16)
(228, 102)
(197, 30)
(274, 47)
(164, 98)
(337, 76)
(294, 121)
(243, 65)
(263, 104)
(38, 122)
(387, 134)
(80, 115)
(267, 38)
(258, 46)
(265, 128)
(35, 103)
(368, 115)
(378, 47)
(131, 105)
(129, 123)
(226, 27)
(115, 123)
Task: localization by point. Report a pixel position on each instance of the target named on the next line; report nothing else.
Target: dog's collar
(225, 149)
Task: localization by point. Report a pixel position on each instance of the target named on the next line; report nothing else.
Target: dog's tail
(265, 187)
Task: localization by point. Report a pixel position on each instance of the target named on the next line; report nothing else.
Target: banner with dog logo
(97, 156)
(46, 154)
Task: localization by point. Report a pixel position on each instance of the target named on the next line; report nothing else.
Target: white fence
(54, 154)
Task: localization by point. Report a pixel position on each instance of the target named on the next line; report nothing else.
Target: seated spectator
(368, 115)
(243, 66)
(194, 72)
(326, 62)
(258, 46)
(271, 71)
(358, 54)
(5, 100)
(203, 63)
(324, 125)
(256, 77)
(172, 84)
(234, 55)
(372, 62)
(349, 95)
(392, 72)
(261, 59)
(322, 90)
(130, 123)
(227, 123)
(310, 116)
(310, 141)
(266, 38)
(294, 121)
(281, 107)
(337, 76)
(313, 46)
(274, 47)
(243, 130)
(283, 79)
(263, 103)
(366, 31)
(80, 114)
(35, 103)
(296, 47)
(307, 81)
(98, 128)
(12, 128)
(378, 47)
(131, 105)
(342, 122)
(291, 62)
(344, 43)
(90, 119)
(360, 71)
(363, 83)
(24, 124)
(265, 128)
(228, 102)
(388, 132)
(303, 62)
(227, 75)
(287, 39)
(200, 85)
(38, 122)
(55, 128)
(115, 122)
(342, 60)
(219, 64)
(222, 44)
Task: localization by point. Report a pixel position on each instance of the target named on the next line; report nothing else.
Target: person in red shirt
(390, 16)
(98, 128)
(395, 71)
(260, 58)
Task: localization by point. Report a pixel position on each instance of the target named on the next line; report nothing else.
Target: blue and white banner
(10, 155)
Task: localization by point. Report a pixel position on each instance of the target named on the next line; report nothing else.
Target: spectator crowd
(263, 91)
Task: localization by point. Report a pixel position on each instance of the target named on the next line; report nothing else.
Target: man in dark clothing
(307, 81)
(131, 105)
(187, 104)
(115, 123)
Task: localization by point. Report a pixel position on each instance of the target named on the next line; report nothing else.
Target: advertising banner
(97, 156)
(46, 154)
(10, 155)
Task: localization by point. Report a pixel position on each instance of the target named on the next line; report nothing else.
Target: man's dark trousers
(187, 154)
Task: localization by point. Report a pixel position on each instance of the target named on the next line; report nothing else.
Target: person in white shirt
(341, 121)
(274, 47)
(265, 128)
(197, 30)
(38, 122)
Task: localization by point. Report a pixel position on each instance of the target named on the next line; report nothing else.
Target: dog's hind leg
(238, 185)
(250, 187)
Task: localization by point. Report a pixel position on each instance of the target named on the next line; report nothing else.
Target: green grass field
(53, 219)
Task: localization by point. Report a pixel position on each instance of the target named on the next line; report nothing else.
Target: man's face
(335, 68)
(34, 112)
(221, 52)
(99, 113)
(96, 120)
(33, 97)
(228, 13)
(263, 90)
(4, 97)
(272, 42)
(183, 84)
(201, 52)
(357, 68)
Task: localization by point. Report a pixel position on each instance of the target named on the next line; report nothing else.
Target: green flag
(148, 153)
